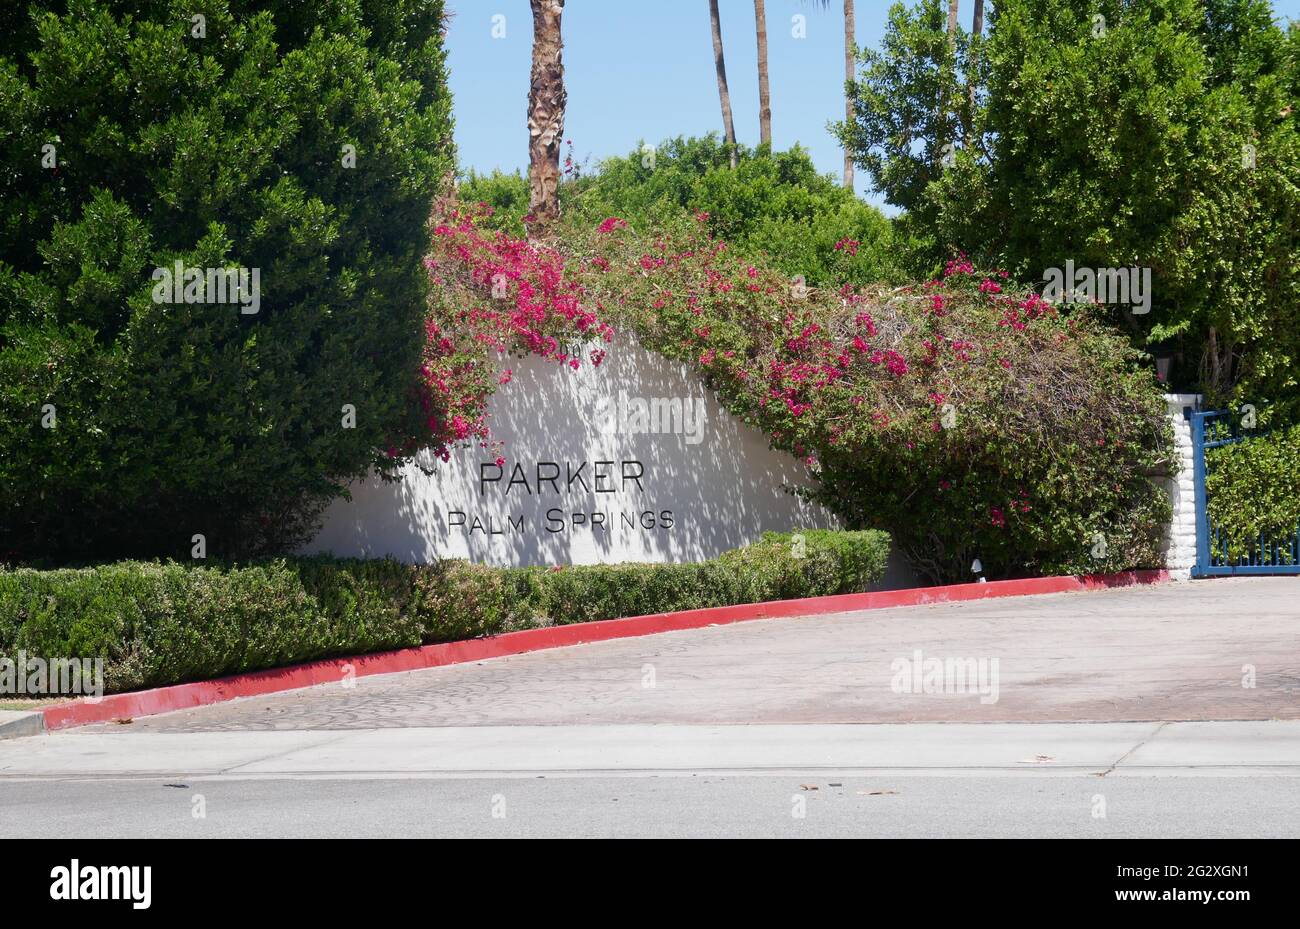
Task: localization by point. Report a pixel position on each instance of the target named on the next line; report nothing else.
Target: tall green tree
(901, 123)
(301, 141)
(1158, 135)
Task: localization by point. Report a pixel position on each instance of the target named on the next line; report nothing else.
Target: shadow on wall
(632, 461)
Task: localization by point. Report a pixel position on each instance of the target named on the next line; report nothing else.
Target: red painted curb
(332, 670)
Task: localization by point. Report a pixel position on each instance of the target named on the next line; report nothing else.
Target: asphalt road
(1025, 806)
(1209, 779)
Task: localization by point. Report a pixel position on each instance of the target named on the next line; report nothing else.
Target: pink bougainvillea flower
(958, 265)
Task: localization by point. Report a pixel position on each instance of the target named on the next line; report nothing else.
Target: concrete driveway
(1209, 650)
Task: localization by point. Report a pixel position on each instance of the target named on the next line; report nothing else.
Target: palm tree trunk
(546, 100)
(850, 40)
(976, 31)
(949, 104)
(720, 63)
(764, 96)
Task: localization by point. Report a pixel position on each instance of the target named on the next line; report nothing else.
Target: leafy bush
(967, 421)
(1253, 493)
(226, 149)
(531, 308)
(507, 194)
(157, 624)
(773, 205)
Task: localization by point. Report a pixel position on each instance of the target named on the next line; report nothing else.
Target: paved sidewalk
(1100, 749)
(1170, 652)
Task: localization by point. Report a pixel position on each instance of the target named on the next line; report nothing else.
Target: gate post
(1179, 547)
(1198, 477)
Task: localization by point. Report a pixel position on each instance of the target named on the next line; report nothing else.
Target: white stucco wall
(721, 485)
(1180, 540)
(685, 495)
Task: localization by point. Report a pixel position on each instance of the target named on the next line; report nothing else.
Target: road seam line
(1147, 738)
(337, 738)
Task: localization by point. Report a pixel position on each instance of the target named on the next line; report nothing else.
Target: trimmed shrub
(156, 624)
(459, 600)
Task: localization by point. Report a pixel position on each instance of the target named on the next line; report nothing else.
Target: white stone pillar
(1180, 538)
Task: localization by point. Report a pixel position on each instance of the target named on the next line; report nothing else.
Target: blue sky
(644, 70)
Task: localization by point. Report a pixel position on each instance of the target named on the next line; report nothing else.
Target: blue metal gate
(1213, 429)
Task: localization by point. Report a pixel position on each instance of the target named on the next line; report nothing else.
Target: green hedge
(165, 623)
(1253, 491)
